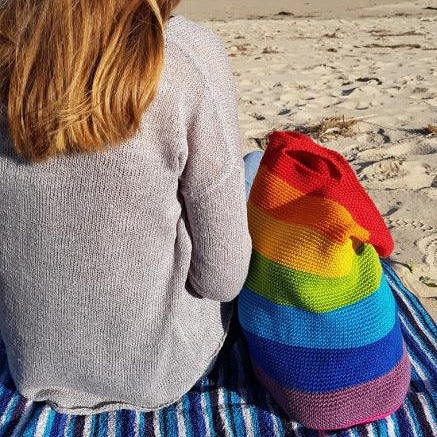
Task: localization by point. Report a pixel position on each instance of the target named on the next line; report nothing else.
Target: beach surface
(374, 67)
(231, 10)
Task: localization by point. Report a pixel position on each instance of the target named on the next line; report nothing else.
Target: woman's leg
(251, 164)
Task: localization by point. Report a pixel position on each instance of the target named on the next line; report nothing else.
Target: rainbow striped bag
(319, 318)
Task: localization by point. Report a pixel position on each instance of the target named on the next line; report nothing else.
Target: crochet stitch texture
(316, 310)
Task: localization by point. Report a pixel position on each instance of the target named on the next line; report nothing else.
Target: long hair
(76, 75)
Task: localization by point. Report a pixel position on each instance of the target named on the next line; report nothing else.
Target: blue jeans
(251, 164)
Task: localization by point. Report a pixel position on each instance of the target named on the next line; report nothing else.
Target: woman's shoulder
(197, 43)
(190, 33)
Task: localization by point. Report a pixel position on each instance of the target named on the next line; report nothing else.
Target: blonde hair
(77, 75)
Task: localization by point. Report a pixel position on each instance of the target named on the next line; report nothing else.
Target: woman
(123, 224)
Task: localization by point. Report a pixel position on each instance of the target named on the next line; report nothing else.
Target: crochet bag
(316, 310)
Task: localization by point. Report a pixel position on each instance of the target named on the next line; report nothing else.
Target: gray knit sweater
(117, 269)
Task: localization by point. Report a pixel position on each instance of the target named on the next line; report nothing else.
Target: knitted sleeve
(212, 185)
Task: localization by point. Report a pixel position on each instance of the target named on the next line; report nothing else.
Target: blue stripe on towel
(15, 411)
(207, 400)
(29, 427)
(118, 423)
(103, 424)
(49, 423)
(413, 304)
(199, 426)
(126, 423)
(187, 419)
(161, 417)
(5, 397)
(425, 349)
(58, 425)
(141, 426)
(8, 409)
(171, 422)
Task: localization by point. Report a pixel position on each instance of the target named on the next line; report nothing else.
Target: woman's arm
(213, 188)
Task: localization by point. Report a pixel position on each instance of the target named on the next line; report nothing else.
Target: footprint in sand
(381, 171)
(411, 149)
(414, 224)
(397, 172)
(428, 246)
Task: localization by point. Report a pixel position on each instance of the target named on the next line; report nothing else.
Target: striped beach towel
(231, 402)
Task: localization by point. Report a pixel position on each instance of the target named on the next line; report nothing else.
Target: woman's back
(116, 267)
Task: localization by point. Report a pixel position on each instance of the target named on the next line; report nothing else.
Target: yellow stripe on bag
(299, 247)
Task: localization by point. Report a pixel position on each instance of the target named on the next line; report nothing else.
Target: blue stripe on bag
(323, 370)
(348, 327)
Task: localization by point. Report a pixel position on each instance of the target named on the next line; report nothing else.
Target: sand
(231, 10)
(378, 66)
